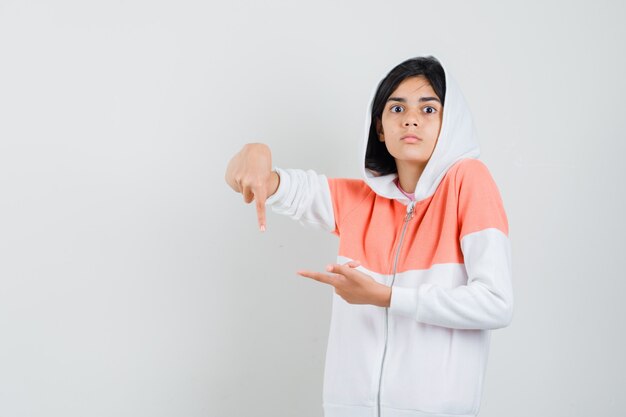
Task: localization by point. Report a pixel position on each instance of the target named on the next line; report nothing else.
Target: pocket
(354, 353)
(433, 369)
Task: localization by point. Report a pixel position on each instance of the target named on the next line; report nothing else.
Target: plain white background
(134, 282)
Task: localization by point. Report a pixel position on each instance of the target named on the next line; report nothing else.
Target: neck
(408, 175)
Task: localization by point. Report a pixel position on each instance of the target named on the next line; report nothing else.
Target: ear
(379, 130)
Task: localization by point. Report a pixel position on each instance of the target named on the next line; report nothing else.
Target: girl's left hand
(352, 285)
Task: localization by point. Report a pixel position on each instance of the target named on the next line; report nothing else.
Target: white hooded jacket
(445, 255)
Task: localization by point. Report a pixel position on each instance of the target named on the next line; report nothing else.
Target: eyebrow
(421, 100)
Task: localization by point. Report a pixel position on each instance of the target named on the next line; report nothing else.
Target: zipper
(409, 216)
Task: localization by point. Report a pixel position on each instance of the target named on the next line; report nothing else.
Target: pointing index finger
(260, 209)
(319, 276)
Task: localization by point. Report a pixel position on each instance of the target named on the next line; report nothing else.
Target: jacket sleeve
(304, 196)
(486, 300)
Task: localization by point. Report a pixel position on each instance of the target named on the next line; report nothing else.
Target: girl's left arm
(486, 300)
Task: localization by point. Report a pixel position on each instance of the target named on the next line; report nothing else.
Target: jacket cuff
(283, 186)
(404, 302)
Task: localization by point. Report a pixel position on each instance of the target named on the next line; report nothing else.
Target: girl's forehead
(414, 89)
(415, 84)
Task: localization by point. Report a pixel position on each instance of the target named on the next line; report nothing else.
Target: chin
(413, 157)
(420, 161)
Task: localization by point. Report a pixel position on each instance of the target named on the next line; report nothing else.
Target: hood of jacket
(457, 140)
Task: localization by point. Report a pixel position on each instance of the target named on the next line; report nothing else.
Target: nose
(411, 118)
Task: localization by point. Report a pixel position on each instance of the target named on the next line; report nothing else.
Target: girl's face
(411, 121)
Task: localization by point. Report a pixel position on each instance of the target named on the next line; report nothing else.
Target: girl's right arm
(302, 195)
(250, 173)
(305, 196)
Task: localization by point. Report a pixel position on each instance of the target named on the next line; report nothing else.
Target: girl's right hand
(250, 173)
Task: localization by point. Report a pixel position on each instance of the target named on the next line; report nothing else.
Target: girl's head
(408, 101)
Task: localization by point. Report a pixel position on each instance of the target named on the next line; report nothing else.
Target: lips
(410, 138)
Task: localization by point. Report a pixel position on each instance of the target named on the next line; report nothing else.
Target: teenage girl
(424, 265)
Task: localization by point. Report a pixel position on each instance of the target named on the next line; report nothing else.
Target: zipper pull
(409, 211)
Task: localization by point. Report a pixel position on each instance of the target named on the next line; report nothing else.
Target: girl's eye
(395, 107)
(432, 108)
